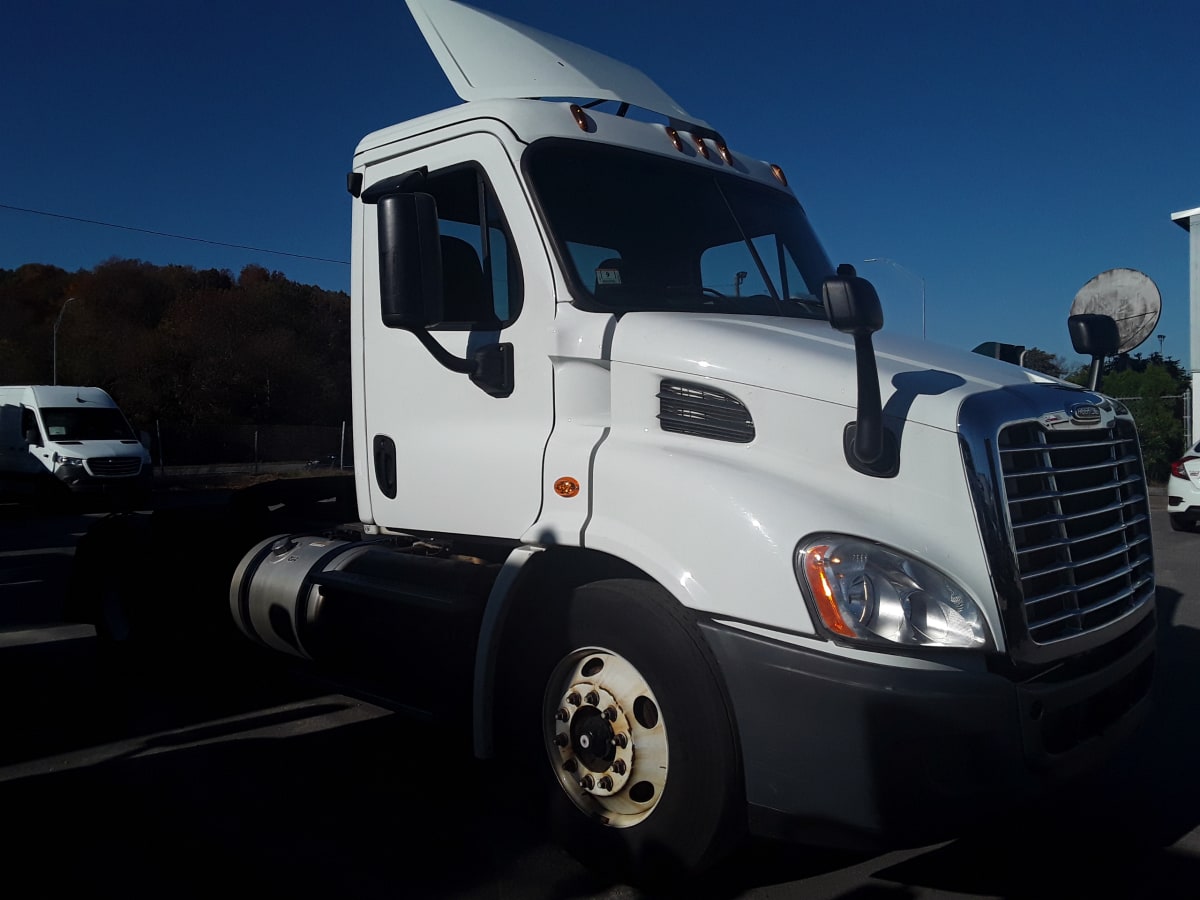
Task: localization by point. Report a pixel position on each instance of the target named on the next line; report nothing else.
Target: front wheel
(641, 743)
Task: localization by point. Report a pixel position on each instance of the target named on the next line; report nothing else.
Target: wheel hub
(593, 739)
(606, 738)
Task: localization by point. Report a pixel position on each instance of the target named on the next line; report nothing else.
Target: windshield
(67, 424)
(642, 232)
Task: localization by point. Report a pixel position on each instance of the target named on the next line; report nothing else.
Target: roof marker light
(778, 173)
(701, 146)
(723, 149)
(581, 118)
(675, 138)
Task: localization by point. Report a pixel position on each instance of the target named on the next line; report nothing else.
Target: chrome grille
(114, 466)
(1079, 520)
(703, 412)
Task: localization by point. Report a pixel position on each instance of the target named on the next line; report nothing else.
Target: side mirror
(1096, 336)
(32, 437)
(410, 261)
(411, 288)
(851, 303)
(853, 307)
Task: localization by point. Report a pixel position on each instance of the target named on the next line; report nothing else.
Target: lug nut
(570, 765)
(606, 783)
(562, 715)
(573, 698)
(611, 714)
(561, 740)
(592, 698)
(622, 740)
(588, 782)
(619, 767)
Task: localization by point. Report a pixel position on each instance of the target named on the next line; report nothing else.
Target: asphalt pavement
(230, 770)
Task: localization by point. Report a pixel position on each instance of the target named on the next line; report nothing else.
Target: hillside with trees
(179, 345)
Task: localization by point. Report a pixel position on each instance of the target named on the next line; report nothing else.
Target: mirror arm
(490, 368)
(868, 437)
(441, 354)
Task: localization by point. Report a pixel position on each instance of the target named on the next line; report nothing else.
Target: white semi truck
(644, 498)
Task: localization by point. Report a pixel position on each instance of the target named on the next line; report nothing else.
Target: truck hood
(918, 380)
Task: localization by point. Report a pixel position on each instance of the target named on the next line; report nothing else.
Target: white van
(77, 435)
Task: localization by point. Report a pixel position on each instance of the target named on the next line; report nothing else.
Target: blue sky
(1003, 152)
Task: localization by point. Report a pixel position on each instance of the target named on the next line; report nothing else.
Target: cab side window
(29, 427)
(481, 279)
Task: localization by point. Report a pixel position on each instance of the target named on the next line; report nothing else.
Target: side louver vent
(703, 412)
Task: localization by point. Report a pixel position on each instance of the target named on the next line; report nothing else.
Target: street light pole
(54, 343)
(894, 264)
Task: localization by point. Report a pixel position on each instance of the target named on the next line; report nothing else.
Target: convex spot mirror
(851, 303)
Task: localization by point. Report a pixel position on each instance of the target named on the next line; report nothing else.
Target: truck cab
(649, 500)
(615, 339)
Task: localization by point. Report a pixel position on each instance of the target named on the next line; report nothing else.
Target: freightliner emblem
(1080, 415)
(1084, 414)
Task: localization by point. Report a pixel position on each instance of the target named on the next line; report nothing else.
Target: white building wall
(1189, 220)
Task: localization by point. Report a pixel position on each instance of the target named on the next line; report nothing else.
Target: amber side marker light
(566, 487)
(778, 173)
(701, 146)
(581, 118)
(818, 581)
(676, 140)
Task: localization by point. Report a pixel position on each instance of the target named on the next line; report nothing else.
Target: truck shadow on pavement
(197, 773)
(356, 811)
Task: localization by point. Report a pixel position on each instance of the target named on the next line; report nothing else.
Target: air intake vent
(703, 412)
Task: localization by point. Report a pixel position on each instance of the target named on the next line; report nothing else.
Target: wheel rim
(606, 737)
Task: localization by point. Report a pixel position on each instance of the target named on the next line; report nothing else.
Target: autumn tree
(174, 343)
(30, 300)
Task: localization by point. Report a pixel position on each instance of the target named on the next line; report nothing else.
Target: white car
(1183, 491)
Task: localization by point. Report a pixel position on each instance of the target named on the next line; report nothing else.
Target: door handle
(385, 465)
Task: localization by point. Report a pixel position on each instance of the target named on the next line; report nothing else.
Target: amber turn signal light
(566, 487)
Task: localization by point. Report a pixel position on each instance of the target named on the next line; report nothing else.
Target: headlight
(867, 592)
(67, 460)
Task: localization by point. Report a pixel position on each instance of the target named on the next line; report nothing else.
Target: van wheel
(642, 748)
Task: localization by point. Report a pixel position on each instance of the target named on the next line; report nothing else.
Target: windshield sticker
(608, 276)
(56, 430)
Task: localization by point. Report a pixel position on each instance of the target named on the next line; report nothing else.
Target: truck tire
(645, 778)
